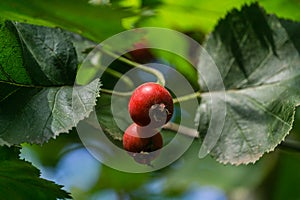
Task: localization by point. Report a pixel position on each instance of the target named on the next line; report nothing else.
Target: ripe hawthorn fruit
(132, 141)
(142, 149)
(150, 105)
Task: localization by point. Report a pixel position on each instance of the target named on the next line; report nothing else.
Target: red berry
(151, 105)
(132, 141)
(143, 150)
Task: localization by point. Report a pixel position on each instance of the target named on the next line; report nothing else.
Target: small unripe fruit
(150, 105)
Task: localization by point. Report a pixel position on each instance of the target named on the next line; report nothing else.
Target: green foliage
(257, 55)
(38, 100)
(20, 180)
(120, 181)
(202, 16)
(94, 22)
(210, 172)
(105, 117)
(286, 176)
(259, 62)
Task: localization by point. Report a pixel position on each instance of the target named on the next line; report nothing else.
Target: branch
(187, 97)
(156, 73)
(290, 145)
(181, 129)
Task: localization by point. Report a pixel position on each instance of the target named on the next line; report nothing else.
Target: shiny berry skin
(132, 141)
(150, 105)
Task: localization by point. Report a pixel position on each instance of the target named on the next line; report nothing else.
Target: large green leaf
(94, 22)
(37, 73)
(258, 58)
(20, 180)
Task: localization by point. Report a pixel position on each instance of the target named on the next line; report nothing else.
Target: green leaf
(54, 60)
(94, 22)
(38, 99)
(82, 45)
(20, 180)
(258, 58)
(107, 120)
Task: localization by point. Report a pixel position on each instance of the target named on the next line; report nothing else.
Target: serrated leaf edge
(75, 122)
(268, 151)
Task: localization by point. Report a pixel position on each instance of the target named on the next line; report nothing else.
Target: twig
(291, 145)
(181, 129)
(187, 97)
(156, 73)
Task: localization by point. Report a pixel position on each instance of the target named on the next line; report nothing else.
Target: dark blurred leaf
(260, 65)
(20, 180)
(151, 3)
(37, 73)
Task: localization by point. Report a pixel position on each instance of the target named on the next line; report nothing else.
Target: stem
(290, 144)
(112, 92)
(287, 144)
(176, 100)
(119, 75)
(181, 129)
(22, 85)
(156, 73)
(190, 132)
(187, 97)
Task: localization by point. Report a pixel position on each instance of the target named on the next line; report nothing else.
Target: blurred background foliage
(99, 19)
(65, 161)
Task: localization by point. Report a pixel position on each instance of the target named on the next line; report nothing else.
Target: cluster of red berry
(150, 107)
